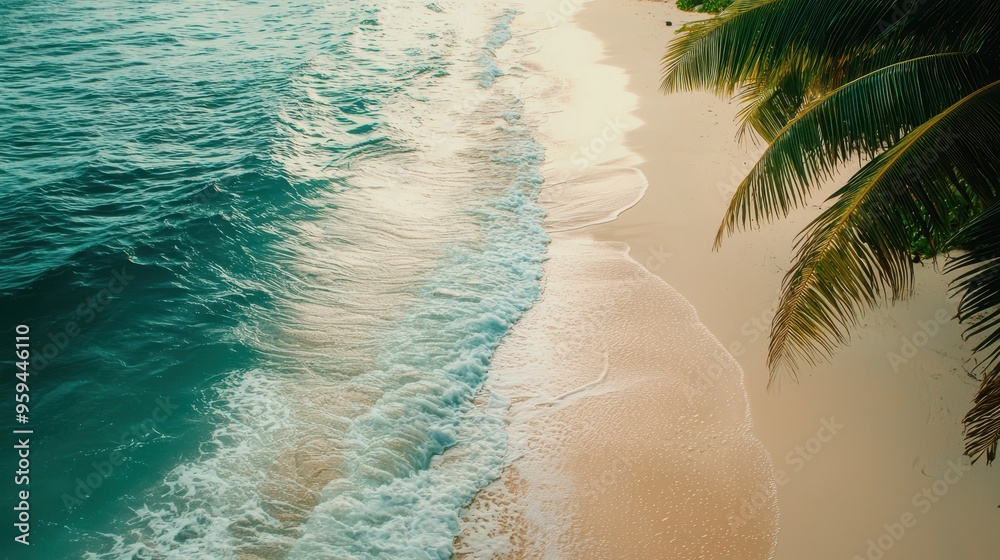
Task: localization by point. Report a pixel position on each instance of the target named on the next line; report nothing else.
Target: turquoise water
(265, 251)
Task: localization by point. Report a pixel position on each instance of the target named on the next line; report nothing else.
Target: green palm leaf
(753, 37)
(830, 40)
(855, 255)
(769, 105)
(979, 285)
(910, 85)
(862, 117)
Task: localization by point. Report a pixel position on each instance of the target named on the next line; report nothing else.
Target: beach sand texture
(629, 421)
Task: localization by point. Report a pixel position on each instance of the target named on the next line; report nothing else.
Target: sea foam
(367, 430)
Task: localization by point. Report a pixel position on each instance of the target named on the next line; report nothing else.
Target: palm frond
(910, 85)
(854, 255)
(860, 118)
(836, 40)
(767, 106)
(753, 37)
(937, 25)
(982, 422)
(979, 306)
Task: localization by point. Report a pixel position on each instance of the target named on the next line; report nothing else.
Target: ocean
(265, 251)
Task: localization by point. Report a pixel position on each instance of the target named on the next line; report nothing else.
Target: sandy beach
(396, 280)
(892, 475)
(857, 458)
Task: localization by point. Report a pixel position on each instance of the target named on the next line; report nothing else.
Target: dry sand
(866, 452)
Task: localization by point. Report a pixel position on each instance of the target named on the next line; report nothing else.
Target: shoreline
(856, 442)
(617, 447)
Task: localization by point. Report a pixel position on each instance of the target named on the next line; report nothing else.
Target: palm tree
(910, 87)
